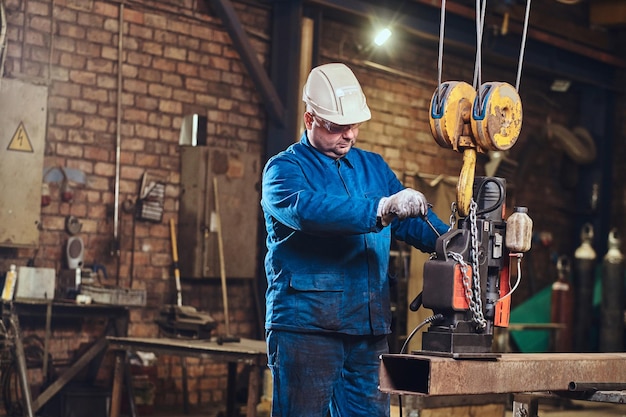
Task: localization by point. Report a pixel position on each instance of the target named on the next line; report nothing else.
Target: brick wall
(177, 59)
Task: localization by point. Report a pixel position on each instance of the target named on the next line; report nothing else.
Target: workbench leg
(130, 390)
(231, 388)
(118, 381)
(183, 367)
(525, 405)
(21, 368)
(253, 391)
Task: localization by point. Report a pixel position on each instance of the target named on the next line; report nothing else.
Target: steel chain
(471, 279)
(453, 211)
(467, 280)
(478, 316)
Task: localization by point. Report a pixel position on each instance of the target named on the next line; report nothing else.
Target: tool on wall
(178, 320)
(217, 223)
(151, 198)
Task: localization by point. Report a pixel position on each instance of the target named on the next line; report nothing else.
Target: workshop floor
(572, 409)
(581, 409)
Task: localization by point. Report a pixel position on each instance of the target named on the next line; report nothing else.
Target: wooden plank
(510, 373)
(70, 373)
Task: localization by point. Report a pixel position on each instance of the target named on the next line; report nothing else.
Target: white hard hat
(334, 94)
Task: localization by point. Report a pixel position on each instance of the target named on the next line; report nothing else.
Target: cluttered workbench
(244, 351)
(48, 311)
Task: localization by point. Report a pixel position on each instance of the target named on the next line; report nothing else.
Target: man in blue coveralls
(330, 211)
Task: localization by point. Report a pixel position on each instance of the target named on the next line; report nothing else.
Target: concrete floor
(581, 409)
(567, 409)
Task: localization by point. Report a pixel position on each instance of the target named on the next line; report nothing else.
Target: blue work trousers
(315, 374)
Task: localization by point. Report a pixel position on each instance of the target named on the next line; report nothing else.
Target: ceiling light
(382, 36)
(560, 86)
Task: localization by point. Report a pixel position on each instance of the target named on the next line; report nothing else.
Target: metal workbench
(246, 351)
(529, 377)
(46, 312)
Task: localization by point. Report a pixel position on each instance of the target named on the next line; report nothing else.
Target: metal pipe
(115, 250)
(3, 38)
(596, 386)
(21, 368)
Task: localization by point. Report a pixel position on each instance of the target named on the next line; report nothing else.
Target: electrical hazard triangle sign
(20, 141)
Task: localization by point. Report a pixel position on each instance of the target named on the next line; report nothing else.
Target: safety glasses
(334, 128)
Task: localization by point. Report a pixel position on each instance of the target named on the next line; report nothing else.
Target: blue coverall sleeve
(305, 203)
(417, 233)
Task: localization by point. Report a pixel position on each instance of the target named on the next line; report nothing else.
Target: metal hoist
(467, 282)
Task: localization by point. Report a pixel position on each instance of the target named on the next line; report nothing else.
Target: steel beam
(235, 29)
(509, 373)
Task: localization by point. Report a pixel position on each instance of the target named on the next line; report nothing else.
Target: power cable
(431, 319)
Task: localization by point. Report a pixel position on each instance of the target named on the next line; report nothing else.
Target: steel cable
(523, 47)
(442, 25)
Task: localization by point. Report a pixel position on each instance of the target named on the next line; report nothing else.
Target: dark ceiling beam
(269, 96)
(421, 19)
(285, 70)
(539, 35)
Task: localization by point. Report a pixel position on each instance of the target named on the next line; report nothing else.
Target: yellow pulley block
(450, 115)
(465, 185)
(496, 116)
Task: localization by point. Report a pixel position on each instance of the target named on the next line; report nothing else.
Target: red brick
(106, 81)
(139, 59)
(165, 65)
(90, 20)
(106, 9)
(176, 53)
(133, 16)
(38, 8)
(98, 183)
(171, 106)
(70, 30)
(152, 48)
(96, 123)
(132, 144)
(155, 21)
(68, 119)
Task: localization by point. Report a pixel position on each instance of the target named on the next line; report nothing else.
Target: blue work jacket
(327, 255)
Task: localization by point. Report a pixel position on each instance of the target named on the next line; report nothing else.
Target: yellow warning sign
(20, 141)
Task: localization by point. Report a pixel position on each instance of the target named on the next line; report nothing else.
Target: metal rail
(509, 373)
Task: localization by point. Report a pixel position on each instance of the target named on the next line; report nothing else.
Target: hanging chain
(478, 318)
(471, 277)
(453, 211)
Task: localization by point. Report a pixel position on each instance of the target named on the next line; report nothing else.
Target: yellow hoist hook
(470, 122)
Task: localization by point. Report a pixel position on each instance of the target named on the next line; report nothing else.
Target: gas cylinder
(584, 267)
(612, 310)
(519, 230)
(562, 306)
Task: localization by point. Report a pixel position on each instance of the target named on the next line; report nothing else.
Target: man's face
(329, 138)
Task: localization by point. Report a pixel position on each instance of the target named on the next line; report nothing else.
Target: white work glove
(403, 204)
